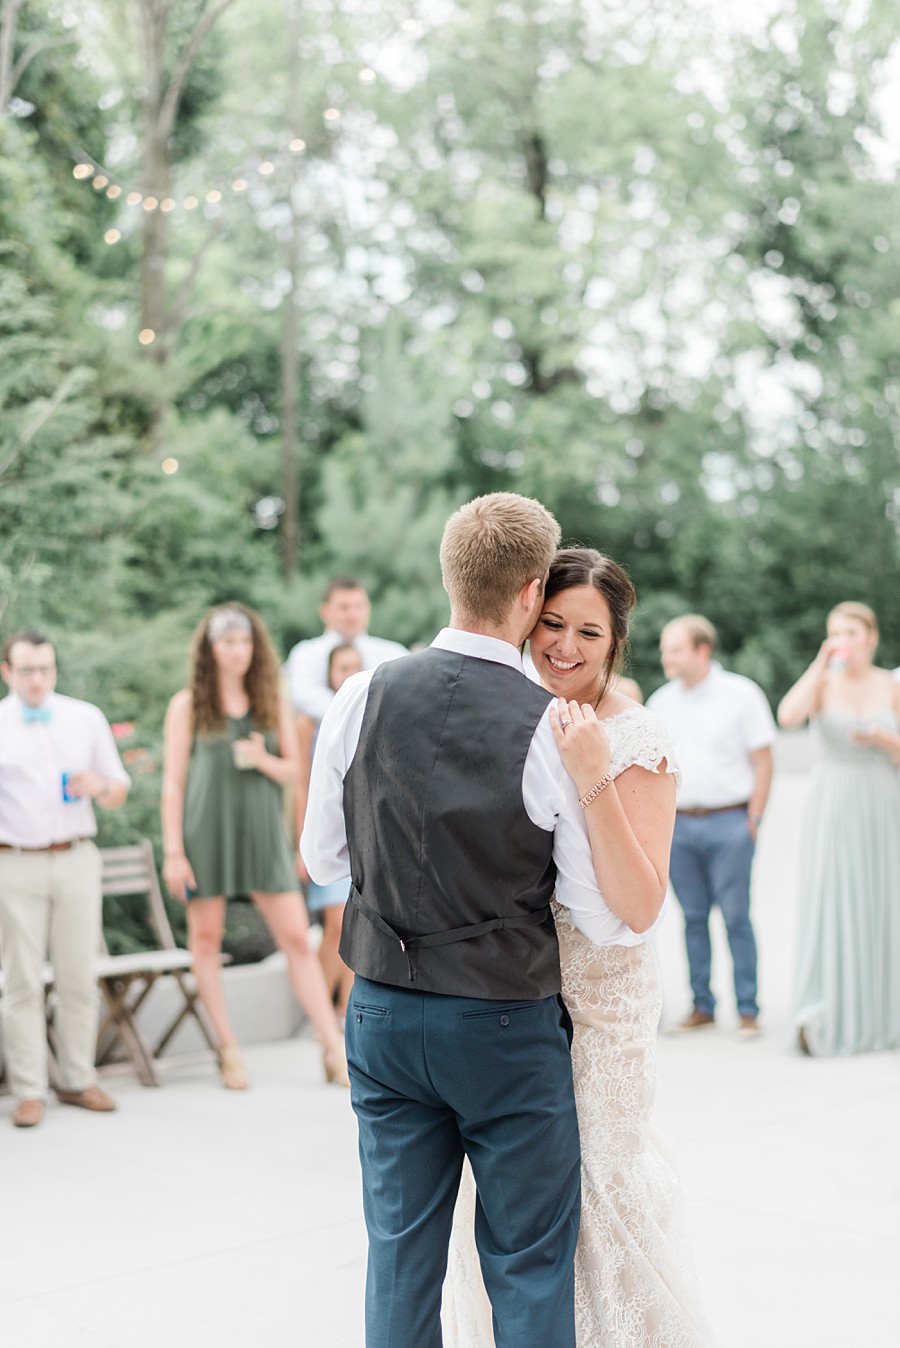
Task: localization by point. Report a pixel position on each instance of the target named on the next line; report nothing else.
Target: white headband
(226, 620)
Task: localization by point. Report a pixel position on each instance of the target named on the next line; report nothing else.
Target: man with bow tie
(57, 757)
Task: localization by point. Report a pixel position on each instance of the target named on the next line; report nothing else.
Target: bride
(634, 1284)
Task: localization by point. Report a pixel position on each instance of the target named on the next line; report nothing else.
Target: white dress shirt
(307, 667)
(715, 726)
(33, 757)
(548, 792)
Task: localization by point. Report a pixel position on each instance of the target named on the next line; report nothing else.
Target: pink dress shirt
(33, 757)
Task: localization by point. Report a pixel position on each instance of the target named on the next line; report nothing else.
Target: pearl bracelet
(594, 792)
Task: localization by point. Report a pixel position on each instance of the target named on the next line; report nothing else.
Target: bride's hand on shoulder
(582, 740)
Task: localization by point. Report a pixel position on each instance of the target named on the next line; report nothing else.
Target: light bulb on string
(367, 75)
(331, 114)
(169, 466)
(112, 236)
(146, 336)
(85, 169)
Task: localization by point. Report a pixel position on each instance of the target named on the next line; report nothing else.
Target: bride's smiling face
(571, 643)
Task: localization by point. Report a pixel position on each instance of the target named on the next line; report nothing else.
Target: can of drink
(67, 795)
(239, 755)
(837, 660)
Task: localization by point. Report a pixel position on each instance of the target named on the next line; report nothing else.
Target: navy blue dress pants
(434, 1078)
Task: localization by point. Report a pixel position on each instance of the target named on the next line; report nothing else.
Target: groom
(437, 784)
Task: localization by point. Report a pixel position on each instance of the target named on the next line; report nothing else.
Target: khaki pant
(50, 903)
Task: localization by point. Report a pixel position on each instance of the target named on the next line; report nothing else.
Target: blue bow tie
(30, 714)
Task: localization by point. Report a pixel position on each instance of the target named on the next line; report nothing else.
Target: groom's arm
(323, 843)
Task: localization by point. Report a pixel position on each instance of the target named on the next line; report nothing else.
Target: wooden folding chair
(126, 980)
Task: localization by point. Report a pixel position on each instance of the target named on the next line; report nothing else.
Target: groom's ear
(532, 593)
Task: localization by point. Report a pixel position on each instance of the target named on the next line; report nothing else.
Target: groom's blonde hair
(493, 547)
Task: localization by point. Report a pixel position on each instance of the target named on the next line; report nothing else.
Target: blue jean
(712, 856)
(436, 1077)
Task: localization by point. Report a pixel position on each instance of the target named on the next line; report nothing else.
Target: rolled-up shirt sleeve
(323, 842)
(105, 758)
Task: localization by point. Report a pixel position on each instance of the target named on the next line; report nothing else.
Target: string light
(146, 336)
(331, 114)
(169, 466)
(367, 76)
(112, 236)
(101, 181)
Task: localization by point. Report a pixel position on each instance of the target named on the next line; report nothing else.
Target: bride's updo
(572, 567)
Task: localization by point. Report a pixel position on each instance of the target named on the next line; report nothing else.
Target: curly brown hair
(260, 681)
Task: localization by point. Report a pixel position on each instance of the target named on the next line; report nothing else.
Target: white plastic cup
(239, 754)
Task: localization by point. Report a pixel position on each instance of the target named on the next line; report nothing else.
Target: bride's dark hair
(572, 567)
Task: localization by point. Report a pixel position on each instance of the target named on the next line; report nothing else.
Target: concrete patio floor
(197, 1218)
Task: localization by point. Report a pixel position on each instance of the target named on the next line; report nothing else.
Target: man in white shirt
(345, 613)
(57, 756)
(722, 732)
(437, 785)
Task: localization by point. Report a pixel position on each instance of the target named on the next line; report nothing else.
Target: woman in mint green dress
(847, 968)
(229, 750)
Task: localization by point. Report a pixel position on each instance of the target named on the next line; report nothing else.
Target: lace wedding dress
(634, 1280)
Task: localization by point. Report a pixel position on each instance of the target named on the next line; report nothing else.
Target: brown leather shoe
(748, 1027)
(90, 1098)
(697, 1020)
(28, 1113)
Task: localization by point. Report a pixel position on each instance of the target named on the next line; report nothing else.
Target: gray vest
(451, 879)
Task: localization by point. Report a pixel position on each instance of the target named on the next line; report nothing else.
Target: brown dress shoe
(90, 1098)
(748, 1027)
(697, 1020)
(28, 1113)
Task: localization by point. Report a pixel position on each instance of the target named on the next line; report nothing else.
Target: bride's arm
(629, 822)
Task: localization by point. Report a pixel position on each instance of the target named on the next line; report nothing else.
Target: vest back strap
(436, 938)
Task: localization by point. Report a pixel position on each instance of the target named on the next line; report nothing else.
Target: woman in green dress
(229, 750)
(847, 967)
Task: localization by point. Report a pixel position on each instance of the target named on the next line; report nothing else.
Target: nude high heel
(334, 1063)
(231, 1065)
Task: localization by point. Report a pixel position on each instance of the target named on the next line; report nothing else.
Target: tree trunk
(290, 356)
(9, 15)
(161, 98)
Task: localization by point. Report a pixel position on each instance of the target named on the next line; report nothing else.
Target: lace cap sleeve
(638, 738)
